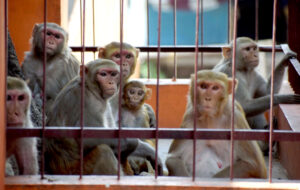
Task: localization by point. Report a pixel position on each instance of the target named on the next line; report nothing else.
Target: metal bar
(174, 28)
(94, 37)
(82, 86)
(233, 89)
(121, 87)
(148, 66)
(256, 19)
(228, 20)
(43, 93)
(272, 90)
(201, 33)
(195, 89)
(207, 48)
(163, 133)
(285, 48)
(157, 87)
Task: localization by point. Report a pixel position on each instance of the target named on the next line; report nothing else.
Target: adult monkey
(129, 57)
(18, 115)
(61, 65)
(213, 108)
(101, 83)
(253, 92)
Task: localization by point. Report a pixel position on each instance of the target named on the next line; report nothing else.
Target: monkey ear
(101, 52)
(35, 29)
(84, 69)
(226, 51)
(148, 94)
(230, 83)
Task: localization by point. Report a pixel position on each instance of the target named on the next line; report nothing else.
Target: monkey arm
(240, 169)
(259, 105)
(152, 119)
(176, 167)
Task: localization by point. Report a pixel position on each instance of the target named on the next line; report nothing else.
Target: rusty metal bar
(256, 19)
(233, 89)
(121, 87)
(148, 66)
(157, 87)
(195, 89)
(82, 26)
(272, 91)
(163, 133)
(174, 28)
(43, 93)
(206, 48)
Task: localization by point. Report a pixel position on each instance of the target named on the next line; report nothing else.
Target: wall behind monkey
(22, 15)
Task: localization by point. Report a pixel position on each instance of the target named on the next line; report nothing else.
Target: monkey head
(102, 77)
(18, 98)
(134, 94)
(246, 53)
(128, 56)
(213, 89)
(56, 39)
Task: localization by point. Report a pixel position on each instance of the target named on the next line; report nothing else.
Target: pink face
(17, 102)
(127, 61)
(210, 95)
(108, 80)
(54, 40)
(249, 54)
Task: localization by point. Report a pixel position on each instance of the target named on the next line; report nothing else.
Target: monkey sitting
(18, 115)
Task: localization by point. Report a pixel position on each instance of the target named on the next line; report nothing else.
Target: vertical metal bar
(82, 86)
(201, 54)
(195, 89)
(43, 93)
(256, 19)
(272, 90)
(121, 86)
(157, 87)
(175, 26)
(233, 90)
(148, 64)
(94, 37)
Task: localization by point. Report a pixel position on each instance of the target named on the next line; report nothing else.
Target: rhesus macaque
(129, 57)
(61, 65)
(18, 100)
(134, 113)
(253, 92)
(101, 83)
(214, 107)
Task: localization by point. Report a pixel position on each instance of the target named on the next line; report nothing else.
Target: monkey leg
(101, 160)
(176, 167)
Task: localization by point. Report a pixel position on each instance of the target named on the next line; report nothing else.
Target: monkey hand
(287, 98)
(290, 54)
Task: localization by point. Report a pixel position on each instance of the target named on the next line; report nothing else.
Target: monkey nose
(207, 99)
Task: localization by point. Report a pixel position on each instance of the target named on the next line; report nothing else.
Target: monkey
(213, 108)
(61, 66)
(253, 92)
(129, 57)
(18, 100)
(101, 83)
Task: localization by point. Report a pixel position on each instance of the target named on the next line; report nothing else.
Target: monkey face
(128, 60)
(107, 79)
(54, 41)
(135, 95)
(249, 54)
(210, 97)
(17, 102)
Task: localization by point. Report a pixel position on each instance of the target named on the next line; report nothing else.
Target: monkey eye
(103, 74)
(57, 36)
(131, 91)
(203, 86)
(254, 48)
(113, 74)
(140, 93)
(21, 97)
(117, 55)
(48, 33)
(247, 48)
(215, 87)
(8, 98)
(128, 56)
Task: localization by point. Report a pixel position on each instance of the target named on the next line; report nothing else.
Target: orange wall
(22, 15)
(172, 103)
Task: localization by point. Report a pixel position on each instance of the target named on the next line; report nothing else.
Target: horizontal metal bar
(294, 61)
(163, 133)
(176, 48)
